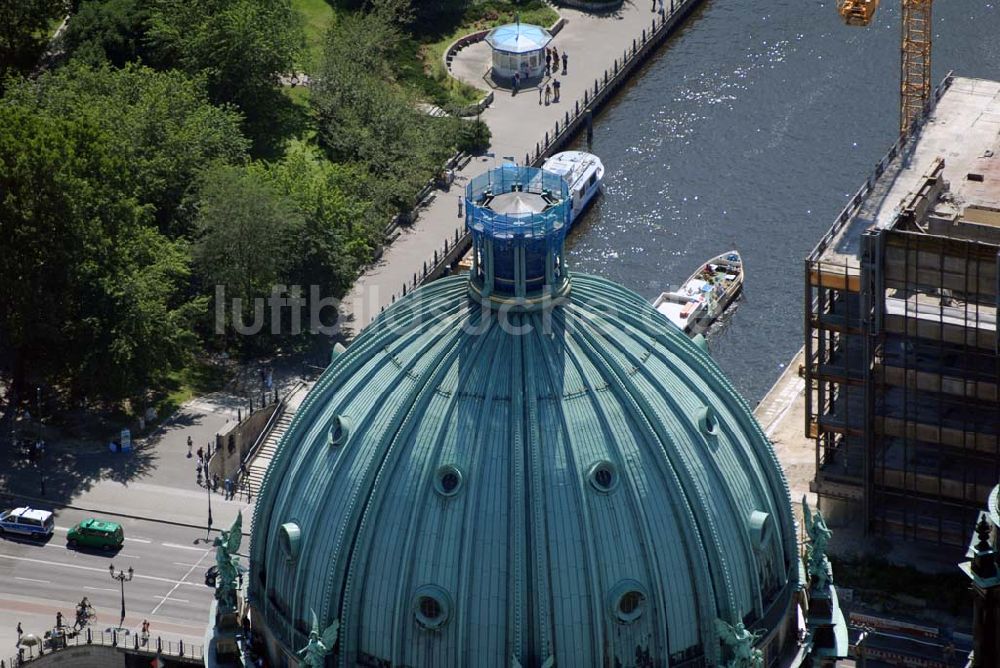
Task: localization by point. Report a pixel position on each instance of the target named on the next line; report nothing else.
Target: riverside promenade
(593, 43)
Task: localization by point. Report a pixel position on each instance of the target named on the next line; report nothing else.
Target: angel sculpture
(319, 646)
(740, 643)
(819, 535)
(226, 546)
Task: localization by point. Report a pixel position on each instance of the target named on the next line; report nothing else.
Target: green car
(96, 533)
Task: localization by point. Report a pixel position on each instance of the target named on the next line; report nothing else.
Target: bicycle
(84, 616)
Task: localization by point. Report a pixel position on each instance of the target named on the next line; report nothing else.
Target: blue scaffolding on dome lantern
(518, 218)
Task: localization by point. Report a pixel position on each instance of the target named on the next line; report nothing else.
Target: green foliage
(474, 137)
(341, 229)
(161, 123)
(318, 15)
(363, 120)
(91, 295)
(246, 232)
(242, 47)
(108, 30)
(24, 32)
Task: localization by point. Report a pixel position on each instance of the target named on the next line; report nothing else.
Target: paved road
(168, 589)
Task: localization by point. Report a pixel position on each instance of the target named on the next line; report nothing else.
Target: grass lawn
(421, 63)
(318, 15)
(198, 378)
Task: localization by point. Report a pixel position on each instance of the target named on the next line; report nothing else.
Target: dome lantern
(518, 218)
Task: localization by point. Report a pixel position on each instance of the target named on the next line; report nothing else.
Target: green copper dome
(475, 485)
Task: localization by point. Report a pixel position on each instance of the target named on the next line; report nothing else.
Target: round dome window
(448, 480)
(708, 421)
(603, 476)
(431, 607)
(339, 431)
(289, 536)
(628, 601)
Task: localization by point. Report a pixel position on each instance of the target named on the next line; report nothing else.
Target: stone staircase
(262, 459)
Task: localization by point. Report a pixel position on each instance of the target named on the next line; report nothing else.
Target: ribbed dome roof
(458, 491)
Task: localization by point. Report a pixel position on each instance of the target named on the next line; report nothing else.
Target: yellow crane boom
(915, 52)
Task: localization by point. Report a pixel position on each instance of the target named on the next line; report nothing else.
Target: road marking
(132, 540)
(130, 556)
(32, 580)
(92, 569)
(181, 563)
(178, 584)
(175, 600)
(100, 589)
(184, 547)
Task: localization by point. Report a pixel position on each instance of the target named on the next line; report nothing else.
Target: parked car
(96, 534)
(27, 522)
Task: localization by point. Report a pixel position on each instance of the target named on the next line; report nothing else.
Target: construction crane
(915, 48)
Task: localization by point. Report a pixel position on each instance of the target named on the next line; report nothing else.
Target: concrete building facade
(902, 354)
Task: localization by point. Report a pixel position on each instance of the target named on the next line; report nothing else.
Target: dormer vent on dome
(518, 218)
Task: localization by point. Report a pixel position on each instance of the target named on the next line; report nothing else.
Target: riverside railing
(569, 126)
(131, 642)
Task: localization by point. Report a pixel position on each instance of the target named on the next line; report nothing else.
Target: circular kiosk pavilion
(518, 48)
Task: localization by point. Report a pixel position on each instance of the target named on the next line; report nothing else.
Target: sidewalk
(156, 481)
(592, 43)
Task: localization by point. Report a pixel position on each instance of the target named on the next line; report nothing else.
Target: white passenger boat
(584, 172)
(705, 295)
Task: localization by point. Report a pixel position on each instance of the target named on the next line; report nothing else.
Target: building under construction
(902, 351)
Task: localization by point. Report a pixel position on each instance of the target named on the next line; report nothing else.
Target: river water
(750, 129)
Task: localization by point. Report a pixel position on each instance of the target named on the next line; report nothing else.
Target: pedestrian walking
(229, 488)
(517, 82)
(19, 632)
(59, 619)
(548, 60)
(661, 6)
(653, 8)
(190, 445)
(198, 469)
(145, 631)
(548, 94)
(215, 482)
(555, 90)
(540, 96)
(565, 60)
(201, 455)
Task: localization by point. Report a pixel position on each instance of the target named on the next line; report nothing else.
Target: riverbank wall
(606, 85)
(606, 50)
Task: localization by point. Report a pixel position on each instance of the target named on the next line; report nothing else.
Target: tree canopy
(91, 295)
(241, 47)
(109, 30)
(161, 123)
(25, 26)
(363, 120)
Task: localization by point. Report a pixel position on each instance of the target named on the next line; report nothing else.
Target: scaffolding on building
(903, 362)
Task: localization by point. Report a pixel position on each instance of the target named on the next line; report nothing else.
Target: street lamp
(208, 488)
(122, 577)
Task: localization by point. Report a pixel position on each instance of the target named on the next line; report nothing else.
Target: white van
(27, 522)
